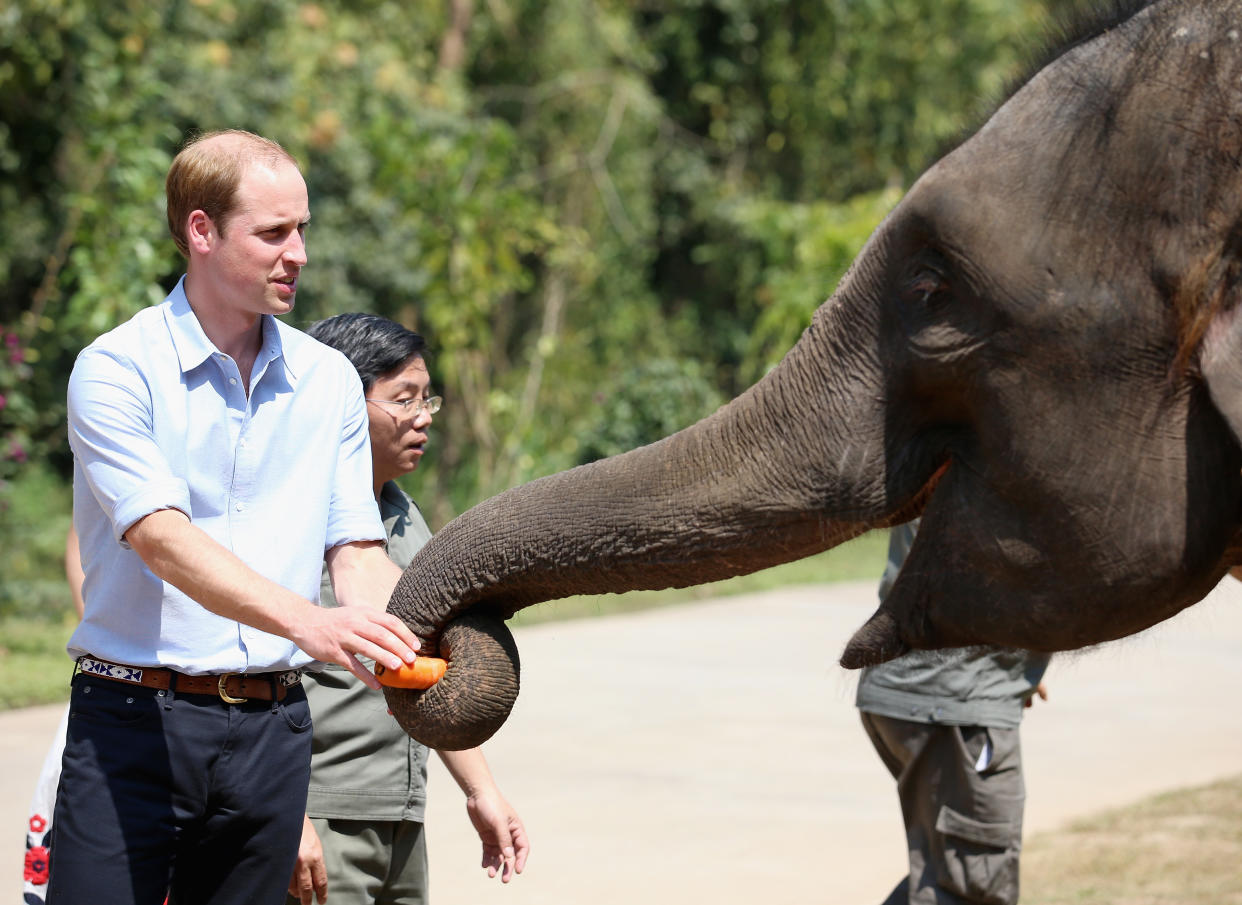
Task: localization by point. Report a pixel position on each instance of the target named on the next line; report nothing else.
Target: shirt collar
(193, 347)
(273, 350)
(394, 506)
(190, 342)
(391, 494)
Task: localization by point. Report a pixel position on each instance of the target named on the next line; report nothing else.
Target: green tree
(805, 103)
(588, 207)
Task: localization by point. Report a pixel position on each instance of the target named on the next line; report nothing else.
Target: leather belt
(232, 687)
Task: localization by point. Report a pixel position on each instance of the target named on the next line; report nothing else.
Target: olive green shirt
(973, 686)
(363, 765)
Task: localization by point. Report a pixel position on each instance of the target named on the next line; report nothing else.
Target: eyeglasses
(415, 406)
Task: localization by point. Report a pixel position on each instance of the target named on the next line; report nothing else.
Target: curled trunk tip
(473, 699)
(876, 642)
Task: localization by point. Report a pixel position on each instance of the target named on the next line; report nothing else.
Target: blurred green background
(607, 216)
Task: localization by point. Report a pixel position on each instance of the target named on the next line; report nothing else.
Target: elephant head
(1038, 351)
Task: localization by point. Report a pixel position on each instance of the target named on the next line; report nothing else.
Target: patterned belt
(232, 687)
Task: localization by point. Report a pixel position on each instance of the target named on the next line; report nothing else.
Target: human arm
(310, 877)
(190, 560)
(73, 569)
(362, 574)
(505, 845)
(1041, 690)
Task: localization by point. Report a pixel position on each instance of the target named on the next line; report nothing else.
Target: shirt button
(239, 507)
(233, 381)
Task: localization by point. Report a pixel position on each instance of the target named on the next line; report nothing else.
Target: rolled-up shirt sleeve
(354, 513)
(112, 437)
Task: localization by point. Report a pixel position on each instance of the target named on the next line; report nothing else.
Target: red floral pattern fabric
(37, 865)
(36, 868)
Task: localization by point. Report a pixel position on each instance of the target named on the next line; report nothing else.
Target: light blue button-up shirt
(159, 419)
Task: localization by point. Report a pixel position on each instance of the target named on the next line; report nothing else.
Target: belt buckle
(224, 695)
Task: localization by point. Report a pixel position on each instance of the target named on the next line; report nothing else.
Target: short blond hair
(206, 172)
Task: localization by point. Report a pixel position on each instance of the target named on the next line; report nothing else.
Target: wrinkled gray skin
(1003, 358)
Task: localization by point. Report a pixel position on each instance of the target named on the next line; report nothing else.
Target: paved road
(711, 752)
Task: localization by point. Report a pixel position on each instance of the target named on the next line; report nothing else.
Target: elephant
(1038, 351)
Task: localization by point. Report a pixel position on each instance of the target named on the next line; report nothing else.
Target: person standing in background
(945, 723)
(39, 821)
(363, 842)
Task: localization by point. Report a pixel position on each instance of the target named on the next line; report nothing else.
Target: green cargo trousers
(373, 862)
(962, 797)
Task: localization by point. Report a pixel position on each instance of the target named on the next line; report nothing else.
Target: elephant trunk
(792, 467)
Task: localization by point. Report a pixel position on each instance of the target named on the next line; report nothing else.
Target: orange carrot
(423, 673)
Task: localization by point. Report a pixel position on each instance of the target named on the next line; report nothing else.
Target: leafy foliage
(605, 216)
(35, 520)
(650, 400)
(17, 414)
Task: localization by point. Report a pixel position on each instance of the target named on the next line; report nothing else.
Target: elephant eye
(925, 286)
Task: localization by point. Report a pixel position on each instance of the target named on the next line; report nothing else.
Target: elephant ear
(1220, 363)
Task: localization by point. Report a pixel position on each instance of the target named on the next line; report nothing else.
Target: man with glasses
(363, 840)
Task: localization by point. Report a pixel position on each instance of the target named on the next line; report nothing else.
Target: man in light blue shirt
(220, 458)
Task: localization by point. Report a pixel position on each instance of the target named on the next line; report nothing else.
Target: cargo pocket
(980, 859)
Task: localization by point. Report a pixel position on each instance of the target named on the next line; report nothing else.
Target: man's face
(398, 437)
(253, 266)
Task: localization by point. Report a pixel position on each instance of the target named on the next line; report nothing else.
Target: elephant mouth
(919, 501)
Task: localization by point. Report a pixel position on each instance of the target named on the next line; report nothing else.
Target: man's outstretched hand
(339, 634)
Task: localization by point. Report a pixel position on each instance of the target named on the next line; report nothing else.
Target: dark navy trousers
(181, 795)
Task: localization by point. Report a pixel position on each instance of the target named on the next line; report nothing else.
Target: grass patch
(36, 607)
(34, 519)
(862, 558)
(34, 668)
(1177, 848)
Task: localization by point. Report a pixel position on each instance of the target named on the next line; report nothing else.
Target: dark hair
(374, 345)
